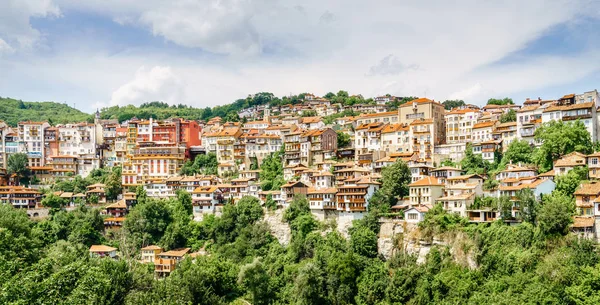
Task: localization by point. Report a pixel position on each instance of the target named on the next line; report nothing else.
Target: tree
(185, 199)
(558, 139)
(53, 201)
(270, 203)
(17, 165)
(472, 163)
(528, 204)
(308, 113)
(510, 116)
(299, 206)
(329, 95)
(395, 179)
(255, 279)
(450, 104)
(271, 173)
(364, 242)
(113, 184)
(504, 101)
(248, 211)
(309, 285)
(569, 182)
(519, 151)
(556, 214)
(343, 139)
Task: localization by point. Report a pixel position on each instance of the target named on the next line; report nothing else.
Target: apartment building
(396, 138)
(425, 191)
(529, 119)
(569, 109)
(205, 199)
(507, 132)
(483, 131)
(261, 146)
(424, 109)
(292, 148)
(367, 142)
(31, 142)
(150, 162)
(424, 137)
(459, 125)
(317, 145)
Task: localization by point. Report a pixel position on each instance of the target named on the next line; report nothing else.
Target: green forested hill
(14, 111)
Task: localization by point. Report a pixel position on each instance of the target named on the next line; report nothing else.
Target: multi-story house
(396, 138)
(587, 201)
(205, 199)
(445, 172)
(507, 132)
(367, 142)
(487, 149)
(529, 118)
(63, 166)
(593, 163)
(424, 137)
(482, 131)
(317, 145)
(425, 191)
(147, 163)
(20, 197)
(322, 201)
(261, 146)
(150, 253)
(459, 125)
(569, 162)
(353, 196)
(31, 140)
(459, 196)
(569, 109)
(310, 123)
(167, 261)
(423, 109)
(292, 148)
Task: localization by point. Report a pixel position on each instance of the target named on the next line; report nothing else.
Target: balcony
(577, 116)
(414, 116)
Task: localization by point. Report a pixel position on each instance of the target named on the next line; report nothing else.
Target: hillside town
(334, 160)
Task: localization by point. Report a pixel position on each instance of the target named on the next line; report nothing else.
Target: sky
(98, 53)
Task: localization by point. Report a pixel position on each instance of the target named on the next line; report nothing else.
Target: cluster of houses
(337, 176)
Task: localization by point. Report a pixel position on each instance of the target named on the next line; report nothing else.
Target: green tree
(519, 151)
(556, 214)
(270, 203)
(364, 242)
(185, 199)
(504, 101)
(113, 184)
(558, 139)
(53, 201)
(343, 139)
(255, 279)
(308, 113)
(309, 285)
(248, 211)
(450, 104)
(395, 179)
(17, 165)
(528, 204)
(569, 182)
(472, 163)
(510, 116)
(299, 206)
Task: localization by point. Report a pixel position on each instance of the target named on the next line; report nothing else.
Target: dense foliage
(450, 104)
(202, 164)
(14, 111)
(504, 101)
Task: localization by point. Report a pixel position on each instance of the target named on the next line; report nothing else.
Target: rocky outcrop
(396, 235)
(279, 228)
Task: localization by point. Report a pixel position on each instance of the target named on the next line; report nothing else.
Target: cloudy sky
(96, 53)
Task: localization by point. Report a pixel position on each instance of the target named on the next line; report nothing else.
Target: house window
(594, 161)
(412, 216)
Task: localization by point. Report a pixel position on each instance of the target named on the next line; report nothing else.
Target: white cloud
(156, 84)
(319, 46)
(5, 48)
(15, 28)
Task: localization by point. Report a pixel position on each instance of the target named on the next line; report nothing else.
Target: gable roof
(427, 181)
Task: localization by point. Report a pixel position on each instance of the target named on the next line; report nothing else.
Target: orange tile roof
(422, 122)
(422, 100)
(310, 119)
(427, 181)
(588, 189)
(583, 222)
(101, 248)
(484, 124)
(394, 128)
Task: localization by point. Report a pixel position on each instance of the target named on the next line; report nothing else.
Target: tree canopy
(504, 101)
(558, 139)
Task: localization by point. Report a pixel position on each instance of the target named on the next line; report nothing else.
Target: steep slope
(14, 111)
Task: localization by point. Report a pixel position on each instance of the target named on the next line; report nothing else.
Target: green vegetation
(510, 116)
(17, 165)
(395, 179)
(558, 139)
(504, 101)
(343, 139)
(14, 111)
(271, 171)
(450, 104)
(202, 164)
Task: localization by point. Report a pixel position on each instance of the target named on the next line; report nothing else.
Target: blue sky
(101, 53)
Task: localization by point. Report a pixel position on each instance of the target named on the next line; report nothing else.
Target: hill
(14, 111)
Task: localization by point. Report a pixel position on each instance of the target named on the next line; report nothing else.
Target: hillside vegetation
(14, 111)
